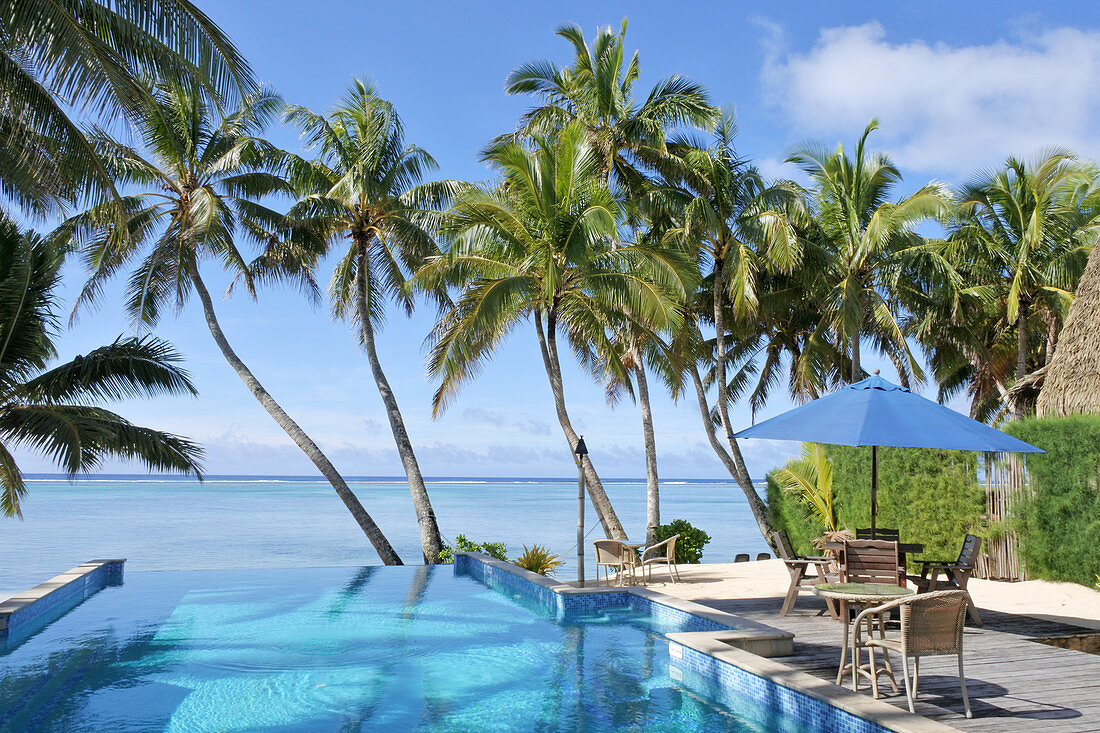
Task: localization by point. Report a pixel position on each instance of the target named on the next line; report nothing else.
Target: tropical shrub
(689, 548)
(497, 550)
(539, 560)
(1059, 525)
(809, 478)
(932, 496)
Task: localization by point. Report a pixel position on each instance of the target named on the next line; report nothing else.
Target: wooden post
(581, 451)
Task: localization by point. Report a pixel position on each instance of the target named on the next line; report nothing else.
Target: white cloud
(948, 109)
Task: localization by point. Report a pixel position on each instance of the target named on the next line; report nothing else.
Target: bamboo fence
(1005, 487)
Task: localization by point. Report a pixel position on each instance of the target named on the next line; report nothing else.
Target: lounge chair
(931, 625)
(612, 554)
(799, 568)
(955, 574)
(662, 553)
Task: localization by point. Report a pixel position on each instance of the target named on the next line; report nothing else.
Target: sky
(956, 88)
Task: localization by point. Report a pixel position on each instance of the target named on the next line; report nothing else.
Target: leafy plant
(689, 548)
(932, 496)
(1058, 526)
(809, 478)
(539, 560)
(497, 550)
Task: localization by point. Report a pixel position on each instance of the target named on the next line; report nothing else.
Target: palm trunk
(430, 540)
(652, 490)
(366, 523)
(1021, 353)
(857, 368)
(734, 463)
(548, 346)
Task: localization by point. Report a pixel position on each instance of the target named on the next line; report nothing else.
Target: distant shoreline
(263, 478)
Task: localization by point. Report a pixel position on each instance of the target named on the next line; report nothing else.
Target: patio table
(861, 595)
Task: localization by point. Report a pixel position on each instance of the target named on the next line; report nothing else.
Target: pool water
(372, 648)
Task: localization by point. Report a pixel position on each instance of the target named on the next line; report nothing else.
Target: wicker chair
(662, 553)
(931, 625)
(612, 554)
(799, 568)
(955, 574)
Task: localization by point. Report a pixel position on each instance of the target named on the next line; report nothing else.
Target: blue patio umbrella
(876, 412)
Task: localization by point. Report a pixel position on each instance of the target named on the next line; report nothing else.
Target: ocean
(168, 523)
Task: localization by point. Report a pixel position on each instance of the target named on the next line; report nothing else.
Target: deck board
(1014, 684)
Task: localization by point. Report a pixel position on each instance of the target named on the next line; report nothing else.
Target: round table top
(862, 591)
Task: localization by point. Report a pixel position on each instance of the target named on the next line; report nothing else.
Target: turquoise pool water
(372, 648)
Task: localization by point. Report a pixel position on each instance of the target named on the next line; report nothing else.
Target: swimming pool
(407, 648)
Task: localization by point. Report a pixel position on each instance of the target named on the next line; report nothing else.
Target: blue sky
(956, 86)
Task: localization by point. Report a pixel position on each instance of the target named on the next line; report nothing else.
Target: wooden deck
(1014, 684)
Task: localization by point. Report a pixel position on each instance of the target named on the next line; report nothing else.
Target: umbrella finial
(874, 372)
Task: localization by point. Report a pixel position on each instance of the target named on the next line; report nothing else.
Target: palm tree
(365, 187)
(872, 243)
(543, 245)
(200, 184)
(1023, 233)
(47, 410)
(597, 92)
(89, 57)
(738, 228)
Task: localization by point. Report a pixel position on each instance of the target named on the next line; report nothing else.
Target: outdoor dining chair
(955, 574)
(799, 567)
(870, 561)
(931, 625)
(880, 533)
(612, 554)
(662, 553)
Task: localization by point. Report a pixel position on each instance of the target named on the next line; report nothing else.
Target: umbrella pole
(874, 488)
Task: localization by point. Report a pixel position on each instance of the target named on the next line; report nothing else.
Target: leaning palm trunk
(430, 540)
(366, 523)
(548, 346)
(732, 458)
(652, 490)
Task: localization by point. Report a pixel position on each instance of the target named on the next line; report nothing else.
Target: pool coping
(742, 647)
(752, 636)
(24, 613)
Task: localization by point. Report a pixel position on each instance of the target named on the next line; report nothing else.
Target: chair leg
(886, 654)
(674, 572)
(916, 677)
(908, 691)
(844, 646)
(792, 592)
(962, 683)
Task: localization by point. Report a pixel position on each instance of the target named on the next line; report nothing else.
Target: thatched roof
(1072, 384)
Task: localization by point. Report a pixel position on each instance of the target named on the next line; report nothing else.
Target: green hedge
(1059, 528)
(932, 496)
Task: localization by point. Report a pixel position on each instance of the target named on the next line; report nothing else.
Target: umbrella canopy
(876, 412)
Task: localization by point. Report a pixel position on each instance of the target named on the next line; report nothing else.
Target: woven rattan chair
(662, 553)
(612, 554)
(955, 574)
(931, 625)
(799, 567)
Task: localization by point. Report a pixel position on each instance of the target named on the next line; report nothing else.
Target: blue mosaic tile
(769, 703)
